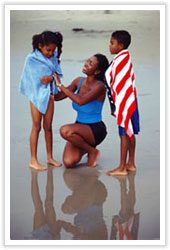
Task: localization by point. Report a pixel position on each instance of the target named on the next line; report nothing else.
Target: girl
(88, 95)
(38, 85)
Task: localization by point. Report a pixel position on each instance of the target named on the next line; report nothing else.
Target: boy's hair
(47, 37)
(123, 37)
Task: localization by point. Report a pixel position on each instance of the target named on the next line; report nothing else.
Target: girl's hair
(46, 38)
(103, 64)
(123, 37)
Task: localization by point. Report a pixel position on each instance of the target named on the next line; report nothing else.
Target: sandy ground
(65, 209)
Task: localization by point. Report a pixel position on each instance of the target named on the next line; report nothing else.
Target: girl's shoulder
(31, 59)
(28, 59)
(30, 56)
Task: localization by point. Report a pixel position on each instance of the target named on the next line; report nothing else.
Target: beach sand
(85, 203)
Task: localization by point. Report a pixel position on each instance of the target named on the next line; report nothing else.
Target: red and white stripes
(120, 78)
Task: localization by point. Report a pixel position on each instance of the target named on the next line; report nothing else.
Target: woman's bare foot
(92, 158)
(37, 166)
(54, 163)
(117, 171)
(131, 168)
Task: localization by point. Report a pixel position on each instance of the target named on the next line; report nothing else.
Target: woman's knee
(65, 131)
(70, 162)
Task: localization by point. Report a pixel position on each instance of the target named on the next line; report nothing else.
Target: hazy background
(97, 27)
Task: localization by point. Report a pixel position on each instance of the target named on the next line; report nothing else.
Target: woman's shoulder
(101, 84)
(78, 79)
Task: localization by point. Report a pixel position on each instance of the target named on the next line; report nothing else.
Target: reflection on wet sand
(86, 202)
(45, 224)
(86, 205)
(125, 225)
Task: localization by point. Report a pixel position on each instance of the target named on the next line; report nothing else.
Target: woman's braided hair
(103, 64)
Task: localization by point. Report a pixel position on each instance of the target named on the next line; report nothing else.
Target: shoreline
(98, 29)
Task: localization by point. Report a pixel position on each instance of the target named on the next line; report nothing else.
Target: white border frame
(159, 7)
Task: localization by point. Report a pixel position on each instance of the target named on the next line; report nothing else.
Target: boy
(123, 102)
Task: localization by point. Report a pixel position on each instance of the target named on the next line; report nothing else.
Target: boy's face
(114, 46)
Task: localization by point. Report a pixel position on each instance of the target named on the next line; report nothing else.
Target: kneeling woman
(88, 95)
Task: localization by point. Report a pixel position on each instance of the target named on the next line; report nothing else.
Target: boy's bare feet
(131, 168)
(117, 171)
(54, 163)
(92, 158)
(37, 166)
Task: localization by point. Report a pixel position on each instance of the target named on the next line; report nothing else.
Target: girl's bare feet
(54, 163)
(93, 157)
(37, 166)
(117, 171)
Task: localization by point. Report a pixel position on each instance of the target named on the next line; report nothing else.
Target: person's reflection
(86, 201)
(125, 225)
(45, 225)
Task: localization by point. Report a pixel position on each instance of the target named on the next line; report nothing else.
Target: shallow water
(85, 203)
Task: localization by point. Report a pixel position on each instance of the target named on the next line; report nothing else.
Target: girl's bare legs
(36, 127)
(121, 169)
(39, 216)
(131, 161)
(47, 125)
(81, 137)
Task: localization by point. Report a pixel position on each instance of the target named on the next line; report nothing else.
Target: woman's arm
(59, 96)
(93, 94)
(72, 87)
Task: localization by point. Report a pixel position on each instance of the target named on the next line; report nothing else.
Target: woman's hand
(46, 79)
(93, 94)
(57, 80)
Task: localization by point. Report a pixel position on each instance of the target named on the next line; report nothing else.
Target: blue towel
(36, 66)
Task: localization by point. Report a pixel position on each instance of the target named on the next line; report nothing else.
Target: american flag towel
(122, 92)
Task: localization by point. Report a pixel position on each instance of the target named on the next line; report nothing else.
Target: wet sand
(85, 203)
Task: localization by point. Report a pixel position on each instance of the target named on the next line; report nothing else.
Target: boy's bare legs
(121, 169)
(47, 125)
(36, 127)
(131, 161)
